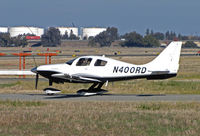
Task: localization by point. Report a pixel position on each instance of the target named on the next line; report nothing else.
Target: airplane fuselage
(113, 70)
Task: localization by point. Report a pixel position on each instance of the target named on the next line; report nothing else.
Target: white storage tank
(40, 31)
(20, 30)
(3, 29)
(88, 32)
(68, 29)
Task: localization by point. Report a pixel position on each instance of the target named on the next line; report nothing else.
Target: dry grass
(100, 118)
(21, 118)
(128, 87)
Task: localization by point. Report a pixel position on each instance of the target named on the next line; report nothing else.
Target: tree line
(7, 41)
(170, 35)
(134, 39)
(52, 38)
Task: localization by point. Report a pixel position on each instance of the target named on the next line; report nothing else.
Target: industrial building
(93, 31)
(63, 30)
(3, 29)
(20, 30)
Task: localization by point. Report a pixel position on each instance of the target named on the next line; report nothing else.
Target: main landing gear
(92, 90)
(95, 89)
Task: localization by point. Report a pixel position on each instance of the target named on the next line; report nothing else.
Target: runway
(105, 97)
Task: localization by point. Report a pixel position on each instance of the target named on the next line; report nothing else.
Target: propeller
(36, 80)
(34, 70)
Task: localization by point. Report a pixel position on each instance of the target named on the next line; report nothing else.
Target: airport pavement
(105, 97)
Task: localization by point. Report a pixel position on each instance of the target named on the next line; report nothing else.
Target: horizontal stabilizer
(159, 72)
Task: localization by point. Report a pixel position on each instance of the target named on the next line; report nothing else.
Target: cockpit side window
(70, 62)
(100, 62)
(84, 62)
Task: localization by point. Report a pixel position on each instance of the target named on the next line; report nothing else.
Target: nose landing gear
(51, 91)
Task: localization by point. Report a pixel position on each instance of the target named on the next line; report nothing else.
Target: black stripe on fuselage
(148, 77)
(47, 74)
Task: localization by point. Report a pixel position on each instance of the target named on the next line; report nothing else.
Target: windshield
(70, 62)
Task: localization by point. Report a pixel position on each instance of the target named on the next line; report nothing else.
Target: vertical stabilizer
(168, 60)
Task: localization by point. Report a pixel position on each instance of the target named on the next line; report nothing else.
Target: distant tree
(179, 36)
(113, 33)
(5, 39)
(152, 32)
(182, 37)
(29, 34)
(159, 36)
(90, 38)
(101, 39)
(105, 38)
(190, 44)
(150, 41)
(20, 40)
(52, 37)
(73, 36)
(85, 38)
(147, 31)
(133, 39)
(170, 35)
(167, 35)
(65, 36)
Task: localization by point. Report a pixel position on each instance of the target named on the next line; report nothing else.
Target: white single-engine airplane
(100, 69)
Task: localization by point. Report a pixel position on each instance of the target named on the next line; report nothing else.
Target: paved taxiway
(105, 97)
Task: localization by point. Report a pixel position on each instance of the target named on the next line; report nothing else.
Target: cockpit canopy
(87, 62)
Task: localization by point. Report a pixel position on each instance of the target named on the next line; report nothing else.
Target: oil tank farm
(88, 32)
(3, 29)
(20, 30)
(68, 30)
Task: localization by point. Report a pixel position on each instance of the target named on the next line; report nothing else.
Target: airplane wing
(77, 77)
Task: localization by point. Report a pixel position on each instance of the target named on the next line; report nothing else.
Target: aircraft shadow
(66, 96)
(146, 95)
(56, 96)
(138, 95)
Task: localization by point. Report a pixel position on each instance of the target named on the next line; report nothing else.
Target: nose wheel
(51, 91)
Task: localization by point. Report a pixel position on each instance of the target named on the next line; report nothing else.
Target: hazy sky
(181, 16)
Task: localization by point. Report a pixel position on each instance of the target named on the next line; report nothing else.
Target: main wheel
(94, 91)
